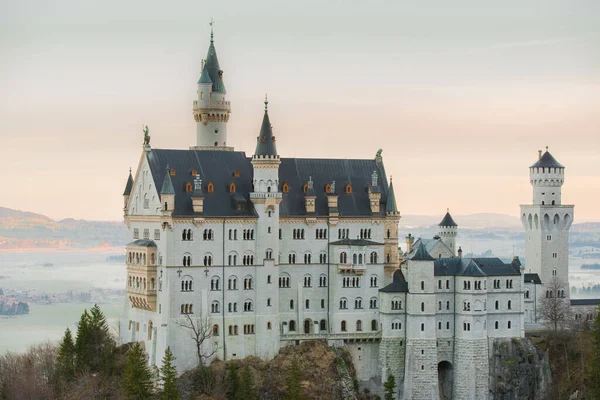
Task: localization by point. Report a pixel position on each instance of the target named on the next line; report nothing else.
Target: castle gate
(445, 378)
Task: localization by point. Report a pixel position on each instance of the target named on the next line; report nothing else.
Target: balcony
(254, 195)
(212, 105)
(354, 336)
(358, 269)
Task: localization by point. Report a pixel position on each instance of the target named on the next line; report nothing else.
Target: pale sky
(460, 95)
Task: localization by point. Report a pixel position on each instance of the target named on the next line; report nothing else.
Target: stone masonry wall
(391, 361)
(471, 369)
(421, 376)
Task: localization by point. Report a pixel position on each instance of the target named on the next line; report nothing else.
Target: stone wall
(391, 361)
(421, 375)
(470, 369)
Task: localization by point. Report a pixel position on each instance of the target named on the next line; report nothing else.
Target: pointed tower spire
(129, 184)
(265, 142)
(390, 207)
(167, 186)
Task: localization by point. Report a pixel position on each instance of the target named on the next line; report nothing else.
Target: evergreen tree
(137, 378)
(389, 388)
(102, 344)
(83, 352)
(247, 388)
(168, 374)
(65, 361)
(233, 381)
(294, 390)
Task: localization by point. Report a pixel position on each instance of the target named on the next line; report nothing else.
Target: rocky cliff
(518, 370)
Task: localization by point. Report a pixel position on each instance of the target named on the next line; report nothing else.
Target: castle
(272, 251)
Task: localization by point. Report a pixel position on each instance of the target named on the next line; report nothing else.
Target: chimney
(460, 252)
(539, 154)
(409, 243)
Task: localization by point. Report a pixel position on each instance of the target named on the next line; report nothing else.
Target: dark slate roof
(167, 185)
(129, 185)
(214, 70)
(265, 142)
(390, 206)
(142, 243)
(473, 267)
(218, 167)
(533, 277)
(585, 302)
(398, 284)
(355, 242)
(547, 161)
(421, 254)
(447, 221)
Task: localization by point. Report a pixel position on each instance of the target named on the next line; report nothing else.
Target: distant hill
(22, 229)
(471, 221)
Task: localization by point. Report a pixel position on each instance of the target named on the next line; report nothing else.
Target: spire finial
(546, 148)
(266, 103)
(168, 168)
(448, 209)
(212, 33)
(391, 178)
(130, 170)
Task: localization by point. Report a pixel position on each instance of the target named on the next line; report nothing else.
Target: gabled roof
(265, 142)
(430, 245)
(473, 267)
(398, 285)
(390, 206)
(547, 161)
(218, 167)
(447, 221)
(214, 70)
(421, 254)
(129, 185)
(355, 242)
(535, 278)
(167, 186)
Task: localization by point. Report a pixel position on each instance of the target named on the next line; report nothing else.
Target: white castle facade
(273, 251)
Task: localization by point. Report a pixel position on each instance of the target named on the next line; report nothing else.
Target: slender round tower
(447, 232)
(211, 109)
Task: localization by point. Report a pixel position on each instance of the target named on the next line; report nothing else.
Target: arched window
(188, 187)
(248, 306)
(328, 188)
(374, 257)
(292, 326)
(373, 280)
(232, 188)
(232, 283)
(509, 305)
(358, 303)
(496, 325)
(508, 324)
(214, 307)
(496, 305)
(354, 258)
(373, 303)
(248, 283)
(359, 326)
(422, 306)
(344, 326)
(323, 280)
(285, 188)
(322, 325)
(215, 283)
(291, 304)
(343, 258)
(374, 325)
(210, 188)
(343, 303)
(305, 188)
(307, 281)
(348, 188)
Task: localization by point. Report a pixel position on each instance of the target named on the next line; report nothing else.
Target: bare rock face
(518, 370)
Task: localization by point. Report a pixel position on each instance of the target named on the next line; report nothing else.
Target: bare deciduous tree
(554, 307)
(200, 331)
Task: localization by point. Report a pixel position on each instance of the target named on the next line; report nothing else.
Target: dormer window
(232, 188)
(172, 171)
(194, 172)
(328, 188)
(188, 187)
(236, 173)
(348, 188)
(210, 188)
(305, 188)
(285, 188)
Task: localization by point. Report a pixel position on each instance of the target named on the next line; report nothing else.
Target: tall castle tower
(266, 198)
(547, 222)
(211, 109)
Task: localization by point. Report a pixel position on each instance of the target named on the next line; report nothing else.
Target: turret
(167, 194)
(547, 177)
(211, 109)
(127, 191)
(447, 232)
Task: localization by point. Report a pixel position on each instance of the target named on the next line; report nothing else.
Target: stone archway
(445, 380)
